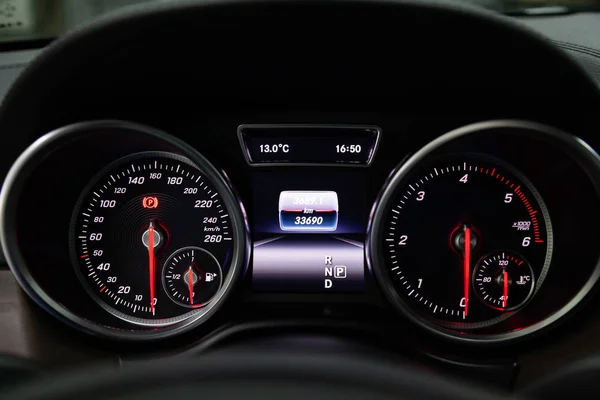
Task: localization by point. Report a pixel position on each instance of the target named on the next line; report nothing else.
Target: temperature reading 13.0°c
(275, 148)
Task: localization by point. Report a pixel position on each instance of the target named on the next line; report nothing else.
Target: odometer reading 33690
(138, 214)
(465, 240)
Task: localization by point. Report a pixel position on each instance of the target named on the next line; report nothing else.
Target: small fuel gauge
(191, 277)
(503, 280)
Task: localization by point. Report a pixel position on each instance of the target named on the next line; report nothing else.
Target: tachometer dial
(131, 219)
(443, 219)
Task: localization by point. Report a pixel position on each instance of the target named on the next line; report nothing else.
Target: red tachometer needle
(505, 278)
(467, 267)
(151, 263)
(191, 285)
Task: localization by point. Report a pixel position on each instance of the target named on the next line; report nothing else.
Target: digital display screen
(308, 211)
(309, 231)
(274, 144)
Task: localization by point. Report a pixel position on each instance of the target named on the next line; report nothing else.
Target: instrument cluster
(480, 236)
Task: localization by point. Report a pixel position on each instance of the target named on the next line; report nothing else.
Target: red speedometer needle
(151, 263)
(191, 285)
(505, 278)
(467, 267)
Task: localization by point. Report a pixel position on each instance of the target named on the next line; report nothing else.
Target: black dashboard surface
(576, 34)
(183, 80)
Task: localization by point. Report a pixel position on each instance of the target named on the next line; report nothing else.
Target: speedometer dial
(451, 215)
(137, 214)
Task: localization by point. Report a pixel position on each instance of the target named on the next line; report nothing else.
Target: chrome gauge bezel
(33, 157)
(575, 147)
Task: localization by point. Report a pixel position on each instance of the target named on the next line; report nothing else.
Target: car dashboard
(180, 181)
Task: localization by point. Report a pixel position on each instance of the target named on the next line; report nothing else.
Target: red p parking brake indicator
(150, 202)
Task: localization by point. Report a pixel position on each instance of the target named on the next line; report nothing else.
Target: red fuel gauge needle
(505, 278)
(467, 267)
(191, 285)
(151, 263)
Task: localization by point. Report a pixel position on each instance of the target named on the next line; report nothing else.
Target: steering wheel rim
(254, 374)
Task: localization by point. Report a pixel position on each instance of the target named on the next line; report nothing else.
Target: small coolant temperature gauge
(191, 277)
(503, 280)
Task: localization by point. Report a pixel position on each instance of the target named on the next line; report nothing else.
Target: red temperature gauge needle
(505, 278)
(467, 267)
(151, 263)
(191, 285)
